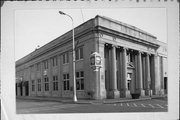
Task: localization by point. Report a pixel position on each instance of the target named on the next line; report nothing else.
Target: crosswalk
(144, 105)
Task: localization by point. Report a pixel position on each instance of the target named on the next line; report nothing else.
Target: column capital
(125, 48)
(114, 46)
(147, 53)
(122, 48)
(140, 52)
(102, 44)
(137, 52)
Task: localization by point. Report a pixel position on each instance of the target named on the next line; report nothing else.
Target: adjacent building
(133, 62)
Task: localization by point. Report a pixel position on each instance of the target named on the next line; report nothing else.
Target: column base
(141, 92)
(23, 91)
(18, 91)
(103, 95)
(113, 94)
(148, 92)
(162, 92)
(125, 94)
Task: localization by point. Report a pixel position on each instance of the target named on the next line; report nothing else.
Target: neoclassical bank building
(132, 61)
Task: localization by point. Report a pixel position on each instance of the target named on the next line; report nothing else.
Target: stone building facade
(133, 61)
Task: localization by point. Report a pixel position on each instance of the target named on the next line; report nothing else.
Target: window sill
(65, 63)
(79, 60)
(80, 90)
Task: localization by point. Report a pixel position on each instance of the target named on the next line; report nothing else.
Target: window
(66, 81)
(46, 83)
(33, 85)
(55, 61)
(130, 57)
(31, 67)
(129, 76)
(80, 80)
(39, 84)
(55, 83)
(79, 53)
(46, 64)
(38, 66)
(66, 58)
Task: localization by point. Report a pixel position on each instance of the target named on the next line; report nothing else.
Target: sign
(95, 61)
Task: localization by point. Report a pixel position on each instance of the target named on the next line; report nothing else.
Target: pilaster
(102, 90)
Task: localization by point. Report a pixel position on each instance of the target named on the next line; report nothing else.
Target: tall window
(54, 61)
(66, 81)
(39, 84)
(33, 85)
(80, 80)
(55, 83)
(66, 58)
(46, 64)
(79, 53)
(129, 76)
(130, 57)
(46, 83)
(38, 66)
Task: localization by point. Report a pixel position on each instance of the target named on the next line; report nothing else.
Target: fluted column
(114, 92)
(157, 82)
(126, 92)
(148, 78)
(162, 75)
(140, 80)
(124, 75)
(114, 69)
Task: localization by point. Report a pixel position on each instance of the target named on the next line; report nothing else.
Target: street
(38, 106)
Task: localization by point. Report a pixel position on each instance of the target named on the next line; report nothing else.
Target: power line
(82, 15)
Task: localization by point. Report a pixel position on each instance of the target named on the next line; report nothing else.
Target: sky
(38, 27)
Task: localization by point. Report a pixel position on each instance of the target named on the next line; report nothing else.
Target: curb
(91, 102)
(112, 102)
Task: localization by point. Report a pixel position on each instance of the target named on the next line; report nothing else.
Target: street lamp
(74, 79)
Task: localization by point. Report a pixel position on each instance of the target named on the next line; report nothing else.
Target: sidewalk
(88, 101)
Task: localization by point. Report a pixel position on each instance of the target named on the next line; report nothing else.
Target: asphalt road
(37, 106)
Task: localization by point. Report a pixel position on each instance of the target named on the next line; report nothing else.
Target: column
(148, 78)
(114, 92)
(126, 93)
(144, 71)
(107, 68)
(23, 90)
(18, 90)
(114, 69)
(140, 80)
(157, 74)
(152, 68)
(162, 75)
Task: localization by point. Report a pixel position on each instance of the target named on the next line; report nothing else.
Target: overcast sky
(38, 27)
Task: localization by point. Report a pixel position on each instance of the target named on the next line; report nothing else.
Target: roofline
(76, 30)
(127, 25)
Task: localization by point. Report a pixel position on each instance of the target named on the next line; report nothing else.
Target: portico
(128, 71)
